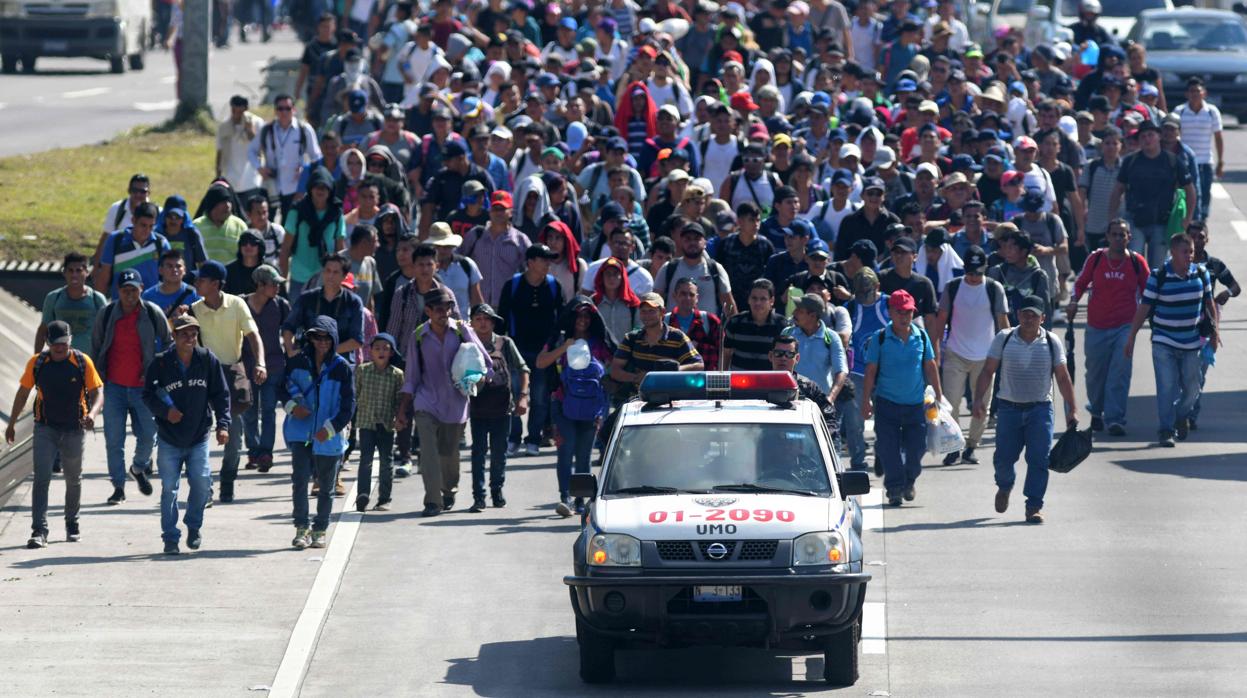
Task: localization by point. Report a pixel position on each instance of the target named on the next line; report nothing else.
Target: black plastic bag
(1071, 449)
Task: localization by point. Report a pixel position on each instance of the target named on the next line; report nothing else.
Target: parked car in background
(1186, 42)
(112, 30)
(1049, 21)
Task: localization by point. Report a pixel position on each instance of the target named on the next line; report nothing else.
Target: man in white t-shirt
(1201, 131)
(945, 12)
(721, 150)
(233, 138)
(414, 59)
(866, 33)
(973, 308)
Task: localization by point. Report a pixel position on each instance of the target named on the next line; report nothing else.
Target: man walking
(432, 402)
(1177, 297)
(123, 342)
(1148, 179)
(65, 383)
(747, 336)
(287, 146)
(973, 308)
(75, 304)
(1028, 358)
(136, 248)
(900, 363)
(185, 388)
(1201, 130)
(530, 307)
(1117, 278)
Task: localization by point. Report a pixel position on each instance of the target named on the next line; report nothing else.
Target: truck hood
(692, 516)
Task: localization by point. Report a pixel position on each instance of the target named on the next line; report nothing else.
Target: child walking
(377, 387)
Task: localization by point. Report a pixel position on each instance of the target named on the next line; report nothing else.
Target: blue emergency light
(662, 387)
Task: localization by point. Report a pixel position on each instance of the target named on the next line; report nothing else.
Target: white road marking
(168, 79)
(872, 509)
(1219, 191)
(1240, 229)
(156, 106)
(89, 92)
(325, 587)
(874, 628)
(3, 105)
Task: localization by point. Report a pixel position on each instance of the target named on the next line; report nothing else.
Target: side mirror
(585, 485)
(1039, 12)
(851, 483)
(1240, 8)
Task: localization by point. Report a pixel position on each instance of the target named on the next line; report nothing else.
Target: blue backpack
(584, 399)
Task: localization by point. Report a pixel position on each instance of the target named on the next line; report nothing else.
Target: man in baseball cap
(900, 364)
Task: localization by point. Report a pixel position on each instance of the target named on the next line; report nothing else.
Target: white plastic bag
(944, 436)
(578, 356)
(468, 368)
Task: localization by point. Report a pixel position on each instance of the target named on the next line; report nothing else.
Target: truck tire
(28, 64)
(136, 58)
(8, 63)
(117, 64)
(136, 61)
(840, 656)
(597, 655)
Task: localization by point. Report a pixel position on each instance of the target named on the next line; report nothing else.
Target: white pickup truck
(112, 30)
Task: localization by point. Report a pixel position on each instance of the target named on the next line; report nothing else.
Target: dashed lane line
(1240, 229)
(1219, 191)
(89, 92)
(874, 628)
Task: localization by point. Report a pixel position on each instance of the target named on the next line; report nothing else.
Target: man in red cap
(496, 247)
(900, 364)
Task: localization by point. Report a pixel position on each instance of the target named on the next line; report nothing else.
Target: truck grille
(699, 551)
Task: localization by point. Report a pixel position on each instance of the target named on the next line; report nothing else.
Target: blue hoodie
(329, 394)
(188, 240)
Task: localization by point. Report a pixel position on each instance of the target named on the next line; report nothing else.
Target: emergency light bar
(662, 387)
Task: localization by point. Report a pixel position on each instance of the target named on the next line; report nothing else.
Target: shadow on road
(981, 522)
(506, 669)
(1219, 466)
(155, 556)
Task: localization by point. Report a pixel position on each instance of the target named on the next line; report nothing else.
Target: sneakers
(227, 497)
(318, 539)
(72, 533)
(1097, 423)
(513, 449)
(37, 540)
(1183, 428)
(430, 510)
(264, 464)
(967, 456)
(145, 485)
(952, 458)
(382, 505)
(448, 502)
(1002, 500)
(563, 508)
(1034, 515)
(1166, 439)
(498, 500)
(171, 548)
(1116, 430)
(193, 539)
(532, 449)
(361, 503)
(478, 505)
(300, 539)
(315, 491)
(252, 463)
(894, 500)
(1190, 424)
(402, 470)
(909, 493)
(119, 496)
(878, 468)
(579, 506)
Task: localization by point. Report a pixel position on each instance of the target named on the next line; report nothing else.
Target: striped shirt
(750, 342)
(1098, 179)
(1177, 303)
(1197, 129)
(640, 355)
(1026, 367)
(123, 252)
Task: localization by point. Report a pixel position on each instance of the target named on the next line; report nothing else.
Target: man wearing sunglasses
(282, 149)
(784, 356)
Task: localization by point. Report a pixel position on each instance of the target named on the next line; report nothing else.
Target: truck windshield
(658, 459)
(1177, 33)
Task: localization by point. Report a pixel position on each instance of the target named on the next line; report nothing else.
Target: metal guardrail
(17, 461)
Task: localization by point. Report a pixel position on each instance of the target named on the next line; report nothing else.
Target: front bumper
(74, 37)
(778, 610)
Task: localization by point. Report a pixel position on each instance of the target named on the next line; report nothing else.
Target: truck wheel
(8, 64)
(840, 656)
(28, 64)
(117, 64)
(597, 655)
(136, 61)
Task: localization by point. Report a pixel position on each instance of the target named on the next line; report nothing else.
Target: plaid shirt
(376, 394)
(706, 337)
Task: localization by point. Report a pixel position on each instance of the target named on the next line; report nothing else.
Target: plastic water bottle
(578, 356)
(931, 409)
(1090, 55)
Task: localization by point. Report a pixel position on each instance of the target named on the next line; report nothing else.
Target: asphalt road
(76, 101)
(1132, 588)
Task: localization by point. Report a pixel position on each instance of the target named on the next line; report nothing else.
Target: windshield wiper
(755, 487)
(645, 489)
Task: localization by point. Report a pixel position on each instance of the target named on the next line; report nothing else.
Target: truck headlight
(1240, 79)
(819, 548)
(614, 550)
(103, 8)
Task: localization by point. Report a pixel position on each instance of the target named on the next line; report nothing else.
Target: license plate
(55, 46)
(716, 594)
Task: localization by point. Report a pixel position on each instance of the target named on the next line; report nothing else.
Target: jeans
(1108, 373)
(1204, 193)
(575, 444)
(955, 375)
(1156, 239)
(439, 457)
(260, 421)
(1029, 427)
(489, 433)
(853, 426)
(538, 402)
(381, 441)
(900, 441)
(51, 443)
(120, 402)
(1177, 383)
(308, 465)
(170, 459)
(1207, 359)
(229, 461)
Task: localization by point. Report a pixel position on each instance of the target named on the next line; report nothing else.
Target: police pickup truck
(722, 517)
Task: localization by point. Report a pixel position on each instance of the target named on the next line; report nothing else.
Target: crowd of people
(589, 192)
